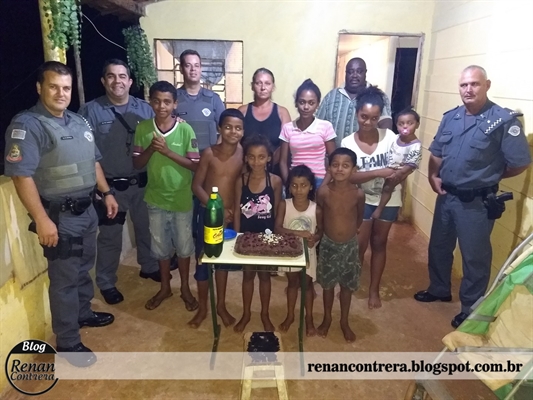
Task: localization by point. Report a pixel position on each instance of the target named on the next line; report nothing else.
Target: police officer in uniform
(199, 107)
(114, 118)
(476, 145)
(53, 161)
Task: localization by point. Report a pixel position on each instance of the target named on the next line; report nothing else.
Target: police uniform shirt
(475, 150)
(27, 141)
(111, 135)
(202, 112)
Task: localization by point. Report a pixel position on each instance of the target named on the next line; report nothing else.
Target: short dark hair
(357, 59)
(164, 87)
(189, 52)
(308, 84)
(256, 140)
(343, 151)
(54, 66)
(408, 111)
(230, 113)
(302, 171)
(263, 70)
(371, 95)
(115, 61)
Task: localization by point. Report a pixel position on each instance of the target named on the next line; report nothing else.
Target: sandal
(154, 302)
(190, 305)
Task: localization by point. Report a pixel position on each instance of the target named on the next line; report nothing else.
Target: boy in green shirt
(170, 150)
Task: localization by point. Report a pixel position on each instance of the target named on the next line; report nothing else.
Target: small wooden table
(228, 256)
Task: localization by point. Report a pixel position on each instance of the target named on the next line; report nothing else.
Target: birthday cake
(269, 245)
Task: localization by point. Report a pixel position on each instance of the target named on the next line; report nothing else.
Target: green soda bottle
(214, 225)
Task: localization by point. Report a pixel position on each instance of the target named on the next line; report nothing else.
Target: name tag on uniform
(67, 137)
(106, 122)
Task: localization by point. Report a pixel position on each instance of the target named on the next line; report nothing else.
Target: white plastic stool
(273, 372)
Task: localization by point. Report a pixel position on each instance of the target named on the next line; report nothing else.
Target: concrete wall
(496, 36)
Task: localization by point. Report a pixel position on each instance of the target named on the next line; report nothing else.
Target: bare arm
(433, 174)
(365, 176)
(319, 224)
(243, 109)
(510, 172)
(200, 175)
(29, 196)
(360, 207)
(140, 161)
(284, 115)
(277, 185)
(237, 206)
(398, 177)
(284, 161)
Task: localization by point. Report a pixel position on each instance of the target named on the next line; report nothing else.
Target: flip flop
(191, 305)
(153, 303)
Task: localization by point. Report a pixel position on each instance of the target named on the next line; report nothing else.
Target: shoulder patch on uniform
(15, 154)
(18, 134)
(514, 130)
(206, 112)
(194, 143)
(89, 136)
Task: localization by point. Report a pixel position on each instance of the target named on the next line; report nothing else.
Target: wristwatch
(109, 192)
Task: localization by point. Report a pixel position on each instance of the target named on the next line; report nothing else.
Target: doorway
(393, 62)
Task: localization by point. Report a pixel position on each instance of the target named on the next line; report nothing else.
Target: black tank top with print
(257, 209)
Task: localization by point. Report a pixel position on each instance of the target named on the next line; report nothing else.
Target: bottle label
(213, 235)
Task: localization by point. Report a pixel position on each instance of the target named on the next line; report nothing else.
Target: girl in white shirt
(372, 146)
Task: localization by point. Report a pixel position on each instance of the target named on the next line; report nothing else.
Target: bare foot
(267, 323)
(227, 318)
(349, 336)
(310, 327)
(285, 325)
(155, 301)
(242, 324)
(323, 329)
(373, 300)
(196, 321)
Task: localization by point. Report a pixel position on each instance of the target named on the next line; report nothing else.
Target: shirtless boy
(220, 165)
(342, 206)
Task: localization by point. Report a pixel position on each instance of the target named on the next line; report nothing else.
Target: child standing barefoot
(257, 195)
(221, 166)
(301, 216)
(342, 206)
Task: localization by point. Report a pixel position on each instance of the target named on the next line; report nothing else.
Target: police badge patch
(89, 136)
(14, 155)
(206, 112)
(514, 130)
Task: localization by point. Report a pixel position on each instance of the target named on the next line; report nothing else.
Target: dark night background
(21, 53)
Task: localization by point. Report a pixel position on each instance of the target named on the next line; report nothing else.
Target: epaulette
(513, 113)
(502, 116)
(449, 111)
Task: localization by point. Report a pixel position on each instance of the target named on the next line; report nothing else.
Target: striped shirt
(339, 109)
(308, 147)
